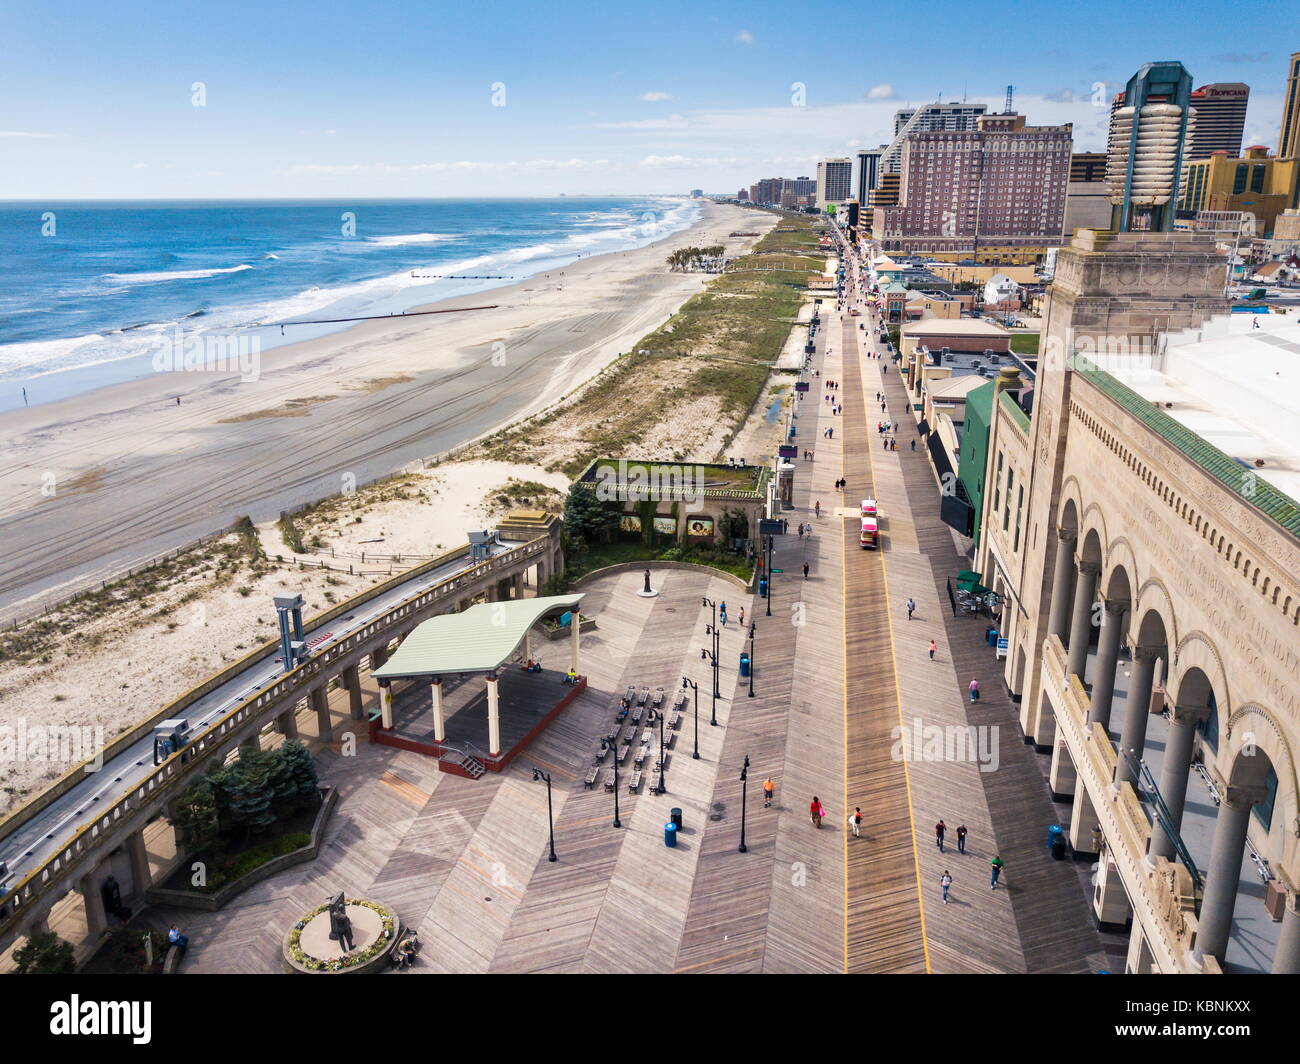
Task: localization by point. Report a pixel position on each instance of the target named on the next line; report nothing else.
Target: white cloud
(745, 37)
(679, 162)
(21, 133)
(883, 91)
(655, 97)
(140, 166)
(671, 122)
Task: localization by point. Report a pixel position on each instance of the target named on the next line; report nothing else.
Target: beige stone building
(1143, 533)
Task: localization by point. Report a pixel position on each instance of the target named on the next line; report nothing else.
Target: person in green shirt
(997, 864)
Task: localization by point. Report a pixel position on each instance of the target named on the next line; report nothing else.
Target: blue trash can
(1056, 842)
(744, 664)
(762, 587)
(670, 834)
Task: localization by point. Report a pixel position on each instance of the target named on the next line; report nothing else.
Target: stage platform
(528, 703)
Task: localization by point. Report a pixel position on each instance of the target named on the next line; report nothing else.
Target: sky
(150, 100)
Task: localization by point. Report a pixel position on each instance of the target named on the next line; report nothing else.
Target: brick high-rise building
(997, 191)
(933, 118)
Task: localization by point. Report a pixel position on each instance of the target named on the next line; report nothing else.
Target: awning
(968, 574)
(923, 426)
(481, 639)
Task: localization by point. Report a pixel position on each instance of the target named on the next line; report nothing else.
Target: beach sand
(99, 483)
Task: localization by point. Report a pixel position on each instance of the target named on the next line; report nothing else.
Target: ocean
(90, 291)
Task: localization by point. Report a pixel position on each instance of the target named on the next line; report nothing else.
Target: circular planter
(376, 930)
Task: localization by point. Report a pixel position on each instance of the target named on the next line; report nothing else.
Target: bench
(674, 718)
(622, 754)
(630, 696)
(172, 960)
(680, 701)
(656, 782)
(640, 756)
(669, 736)
(643, 697)
(659, 697)
(592, 776)
(647, 736)
(636, 716)
(634, 782)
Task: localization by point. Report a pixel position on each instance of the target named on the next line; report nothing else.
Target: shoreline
(396, 390)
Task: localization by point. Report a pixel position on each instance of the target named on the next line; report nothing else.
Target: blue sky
(389, 99)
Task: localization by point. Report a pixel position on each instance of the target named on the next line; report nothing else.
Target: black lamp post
(538, 774)
(712, 629)
(744, 776)
(751, 658)
(770, 541)
(663, 767)
(709, 655)
(696, 688)
(617, 823)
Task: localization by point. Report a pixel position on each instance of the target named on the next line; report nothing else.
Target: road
(29, 846)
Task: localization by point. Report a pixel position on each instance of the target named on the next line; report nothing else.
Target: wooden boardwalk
(885, 923)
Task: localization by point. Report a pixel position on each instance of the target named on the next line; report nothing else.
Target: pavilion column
(320, 702)
(1137, 712)
(287, 723)
(1085, 592)
(1223, 879)
(1059, 615)
(96, 919)
(528, 646)
(386, 703)
(1103, 681)
(494, 716)
(352, 681)
(1286, 958)
(1173, 775)
(138, 854)
(575, 634)
(439, 729)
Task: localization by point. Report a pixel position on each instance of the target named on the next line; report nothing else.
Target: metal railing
(169, 777)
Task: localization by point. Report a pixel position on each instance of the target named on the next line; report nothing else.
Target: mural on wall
(629, 523)
(699, 526)
(666, 525)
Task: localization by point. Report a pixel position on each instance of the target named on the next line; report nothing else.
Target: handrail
(171, 773)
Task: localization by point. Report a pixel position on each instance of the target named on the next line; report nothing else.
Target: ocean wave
(173, 275)
(42, 352)
(409, 238)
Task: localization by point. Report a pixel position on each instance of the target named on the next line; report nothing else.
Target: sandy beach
(96, 484)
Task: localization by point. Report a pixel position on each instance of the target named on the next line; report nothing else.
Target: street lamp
(659, 713)
(713, 630)
(744, 775)
(770, 541)
(538, 774)
(751, 657)
(708, 655)
(696, 688)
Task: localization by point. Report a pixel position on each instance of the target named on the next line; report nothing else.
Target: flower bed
(369, 958)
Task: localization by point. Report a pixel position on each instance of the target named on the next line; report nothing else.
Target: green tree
(588, 519)
(302, 772)
(197, 817)
(245, 792)
(45, 954)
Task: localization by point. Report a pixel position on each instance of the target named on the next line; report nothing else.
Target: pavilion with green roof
(481, 640)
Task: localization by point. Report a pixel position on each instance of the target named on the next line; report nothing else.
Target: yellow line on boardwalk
(898, 697)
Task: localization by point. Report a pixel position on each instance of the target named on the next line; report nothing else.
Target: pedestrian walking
(893, 445)
(817, 508)
(741, 618)
(769, 789)
(816, 811)
(884, 444)
(722, 612)
(830, 434)
(961, 838)
(974, 690)
(939, 830)
(914, 445)
(882, 408)
(945, 881)
(855, 822)
(997, 864)
(933, 648)
(805, 570)
(910, 607)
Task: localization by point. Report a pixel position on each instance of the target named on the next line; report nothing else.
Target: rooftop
(1237, 389)
(953, 327)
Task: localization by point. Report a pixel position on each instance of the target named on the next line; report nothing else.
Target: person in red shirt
(816, 811)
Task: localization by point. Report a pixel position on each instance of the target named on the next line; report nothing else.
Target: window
(1239, 180)
(1006, 512)
(1264, 810)
(1209, 727)
(1257, 177)
(1020, 502)
(997, 485)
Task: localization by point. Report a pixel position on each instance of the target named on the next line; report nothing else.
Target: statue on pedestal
(340, 925)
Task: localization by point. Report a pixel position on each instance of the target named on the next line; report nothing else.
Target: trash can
(670, 834)
(1056, 842)
(744, 663)
(762, 587)
(675, 815)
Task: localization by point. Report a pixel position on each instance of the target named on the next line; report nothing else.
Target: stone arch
(1093, 524)
(1253, 729)
(1197, 654)
(1119, 555)
(1153, 599)
(1071, 505)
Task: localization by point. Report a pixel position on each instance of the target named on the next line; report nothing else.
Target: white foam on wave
(410, 238)
(173, 275)
(41, 352)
